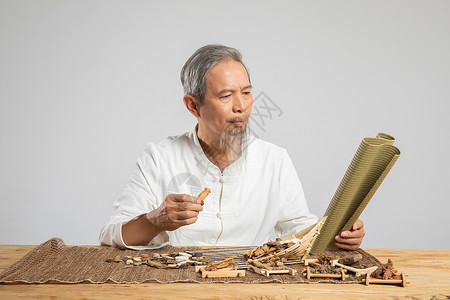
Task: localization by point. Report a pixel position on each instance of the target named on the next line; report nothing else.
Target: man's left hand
(352, 239)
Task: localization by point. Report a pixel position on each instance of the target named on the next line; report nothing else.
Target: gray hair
(194, 71)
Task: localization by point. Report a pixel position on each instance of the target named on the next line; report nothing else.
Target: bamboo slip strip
(372, 162)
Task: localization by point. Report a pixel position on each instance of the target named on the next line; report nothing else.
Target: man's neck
(220, 155)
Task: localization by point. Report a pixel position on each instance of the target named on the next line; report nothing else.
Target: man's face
(228, 100)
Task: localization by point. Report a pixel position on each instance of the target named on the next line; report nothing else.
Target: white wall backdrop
(84, 85)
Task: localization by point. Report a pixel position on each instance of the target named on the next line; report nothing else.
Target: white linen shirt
(256, 196)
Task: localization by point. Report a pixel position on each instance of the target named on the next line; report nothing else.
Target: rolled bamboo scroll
(372, 162)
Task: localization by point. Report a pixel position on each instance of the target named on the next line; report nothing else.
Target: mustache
(239, 119)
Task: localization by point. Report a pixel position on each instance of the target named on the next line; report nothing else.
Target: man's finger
(352, 234)
(358, 225)
(189, 221)
(346, 246)
(182, 198)
(184, 215)
(188, 206)
(349, 241)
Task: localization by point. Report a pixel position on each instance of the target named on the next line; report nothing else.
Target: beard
(234, 140)
(230, 144)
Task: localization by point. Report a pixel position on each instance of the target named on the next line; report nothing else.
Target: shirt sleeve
(294, 214)
(138, 198)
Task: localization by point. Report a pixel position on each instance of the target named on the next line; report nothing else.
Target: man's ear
(192, 104)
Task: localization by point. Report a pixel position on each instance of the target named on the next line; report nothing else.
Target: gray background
(86, 84)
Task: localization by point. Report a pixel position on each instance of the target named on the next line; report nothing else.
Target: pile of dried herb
(175, 260)
(272, 263)
(267, 249)
(386, 271)
(323, 266)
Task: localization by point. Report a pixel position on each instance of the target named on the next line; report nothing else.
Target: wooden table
(428, 270)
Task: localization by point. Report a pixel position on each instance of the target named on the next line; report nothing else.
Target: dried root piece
(272, 263)
(227, 264)
(203, 195)
(155, 264)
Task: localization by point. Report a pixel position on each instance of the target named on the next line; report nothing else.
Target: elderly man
(255, 190)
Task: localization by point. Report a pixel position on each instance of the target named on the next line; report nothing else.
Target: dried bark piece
(386, 271)
(351, 259)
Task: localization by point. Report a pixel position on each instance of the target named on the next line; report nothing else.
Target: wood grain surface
(428, 270)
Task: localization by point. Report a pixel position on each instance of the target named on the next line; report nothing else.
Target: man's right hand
(176, 210)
